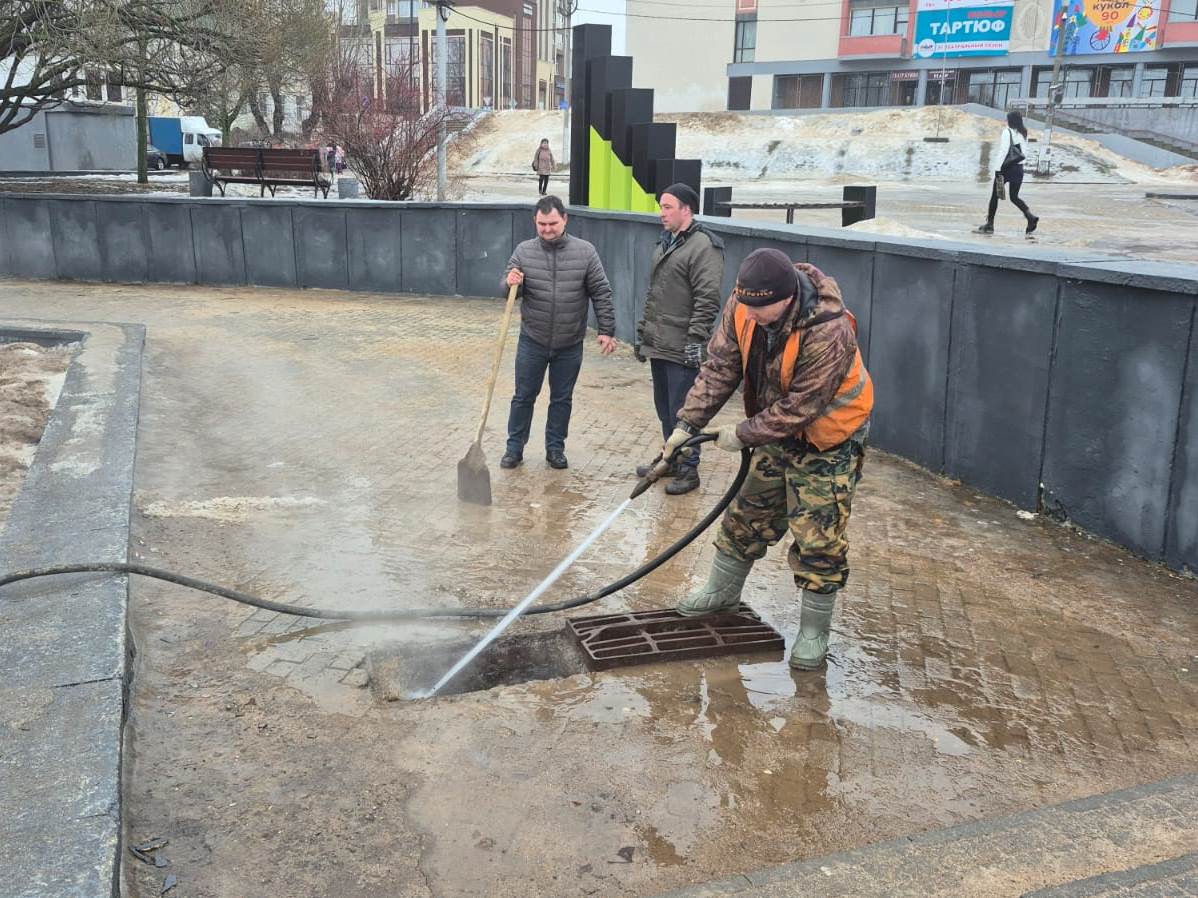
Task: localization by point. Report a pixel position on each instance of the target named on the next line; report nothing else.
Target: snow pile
(881, 145)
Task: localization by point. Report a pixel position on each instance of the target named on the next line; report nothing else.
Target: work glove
(693, 353)
(636, 351)
(677, 438)
(726, 438)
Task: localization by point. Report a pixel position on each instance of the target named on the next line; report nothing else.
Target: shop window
(863, 89)
(994, 88)
(740, 92)
(1156, 81)
(1188, 86)
(798, 91)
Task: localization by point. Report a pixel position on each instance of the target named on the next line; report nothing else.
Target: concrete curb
(1052, 841)
(66, 649)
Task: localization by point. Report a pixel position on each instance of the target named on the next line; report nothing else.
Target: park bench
(858, 204)
(268, 168)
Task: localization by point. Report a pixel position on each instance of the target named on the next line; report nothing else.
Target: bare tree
(50, 47)
(296, 39)
(387, 142)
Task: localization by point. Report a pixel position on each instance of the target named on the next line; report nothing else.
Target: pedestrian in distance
(560, 278)
(542, 164)
(786, 335)
(1012, 151)
(681, 307)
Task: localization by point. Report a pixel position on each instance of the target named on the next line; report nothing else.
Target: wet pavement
(303, 446)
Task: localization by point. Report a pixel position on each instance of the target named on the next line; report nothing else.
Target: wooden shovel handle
(503, 328)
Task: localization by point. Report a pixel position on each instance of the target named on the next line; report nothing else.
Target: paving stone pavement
(303, 446)
(998, 856)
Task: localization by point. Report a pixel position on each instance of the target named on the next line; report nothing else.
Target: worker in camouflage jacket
(681, 307)
(787, 336)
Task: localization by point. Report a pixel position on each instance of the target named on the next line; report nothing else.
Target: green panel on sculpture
(620, 185)
(600, 151)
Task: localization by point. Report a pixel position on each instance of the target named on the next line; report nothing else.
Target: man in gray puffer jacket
(561, 277)
(680, 312)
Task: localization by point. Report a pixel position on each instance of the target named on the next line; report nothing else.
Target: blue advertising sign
(954, 28)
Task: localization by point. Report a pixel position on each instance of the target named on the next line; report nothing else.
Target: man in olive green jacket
(680, 311)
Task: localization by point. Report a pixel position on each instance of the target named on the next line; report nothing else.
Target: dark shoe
(556, 459)
(510, 460)
(987, 228)
(685, 479)
(1032, 221)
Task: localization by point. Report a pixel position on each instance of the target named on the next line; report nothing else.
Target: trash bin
(347, 188)
(198, 185)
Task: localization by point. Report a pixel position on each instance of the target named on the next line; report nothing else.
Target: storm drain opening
(406, 672)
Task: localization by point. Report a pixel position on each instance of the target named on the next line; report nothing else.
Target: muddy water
(31, 377)
(303, 447)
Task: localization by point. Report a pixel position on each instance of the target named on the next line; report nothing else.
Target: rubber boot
(722, 590)
(815, 620)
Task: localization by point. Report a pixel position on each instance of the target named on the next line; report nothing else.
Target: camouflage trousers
(807, 492)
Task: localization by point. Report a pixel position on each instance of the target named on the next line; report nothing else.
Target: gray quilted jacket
(561, 279)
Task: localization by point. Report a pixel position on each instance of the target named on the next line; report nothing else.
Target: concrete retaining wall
(1046, 378)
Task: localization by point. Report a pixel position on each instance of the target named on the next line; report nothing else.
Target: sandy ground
(302, 446)
(31, 377)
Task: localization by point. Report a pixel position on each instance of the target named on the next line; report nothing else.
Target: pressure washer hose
(415, 613)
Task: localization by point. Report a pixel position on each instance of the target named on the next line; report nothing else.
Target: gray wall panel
(266, 227)
(1113, 407)
(5, 262)
(617, 248)
(375, 238)
(484, 247)
(172, 257)
(76, 243)
(429, 250)
(321, 254)
(641, 265)
(998, 380)
(123, 241)
(853, 271)
(216, 236)
(909, 362)
(1181, 548)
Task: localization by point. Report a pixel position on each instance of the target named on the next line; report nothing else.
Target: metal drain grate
(645, 637)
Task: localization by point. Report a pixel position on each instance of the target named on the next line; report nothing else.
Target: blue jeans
(531, 361)
(671, 383)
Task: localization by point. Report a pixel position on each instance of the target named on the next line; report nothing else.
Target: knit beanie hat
(765, 277)
(684, 195)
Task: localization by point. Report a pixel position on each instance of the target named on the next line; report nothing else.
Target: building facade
(503, 54)
(812, 54)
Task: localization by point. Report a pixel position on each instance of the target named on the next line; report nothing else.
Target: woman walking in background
(542, 164)
(1012, 150)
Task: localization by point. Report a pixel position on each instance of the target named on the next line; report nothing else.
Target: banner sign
(1107, 26)
(953, 28)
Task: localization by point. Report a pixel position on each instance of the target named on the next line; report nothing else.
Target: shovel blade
(474, 480)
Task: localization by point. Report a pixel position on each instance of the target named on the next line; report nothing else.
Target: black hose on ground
(410, 614)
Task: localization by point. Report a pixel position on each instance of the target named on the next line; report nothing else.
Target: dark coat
(562, 280)
(828, 350)
(684, 294)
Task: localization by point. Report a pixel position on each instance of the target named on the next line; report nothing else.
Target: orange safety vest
(850, 407)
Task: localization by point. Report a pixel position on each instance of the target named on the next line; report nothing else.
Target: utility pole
(943, 70)
(443, 9)
(567, 9)
(1056, 90)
